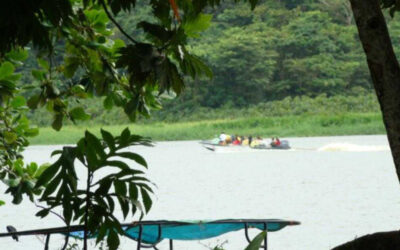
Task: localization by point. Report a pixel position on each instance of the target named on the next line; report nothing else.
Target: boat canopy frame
(135, 231)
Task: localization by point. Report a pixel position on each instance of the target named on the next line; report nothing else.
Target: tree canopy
(78, 57)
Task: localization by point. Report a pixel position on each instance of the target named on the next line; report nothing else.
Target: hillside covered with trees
(283, 49)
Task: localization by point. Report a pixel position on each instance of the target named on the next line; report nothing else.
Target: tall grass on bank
(301, 125)
(178, 112)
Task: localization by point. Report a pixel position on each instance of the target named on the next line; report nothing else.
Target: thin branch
(116, 23)
(56, 214)
(62, 218)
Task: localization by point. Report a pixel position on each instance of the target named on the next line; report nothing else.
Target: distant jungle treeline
(286, 57)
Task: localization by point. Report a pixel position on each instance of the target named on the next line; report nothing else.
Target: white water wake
(348, 147)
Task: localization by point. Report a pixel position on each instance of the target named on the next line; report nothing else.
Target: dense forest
(282, 49)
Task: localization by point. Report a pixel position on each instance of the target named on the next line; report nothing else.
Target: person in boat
(228, 139)
(222, 139)
(236, 140)
(245, 141)
(275, 142)
(256, 142)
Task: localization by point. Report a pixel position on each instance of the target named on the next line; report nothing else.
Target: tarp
(155, 231)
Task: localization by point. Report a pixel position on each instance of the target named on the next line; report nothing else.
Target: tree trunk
(377, 241)
(385, 73)
(383, 66)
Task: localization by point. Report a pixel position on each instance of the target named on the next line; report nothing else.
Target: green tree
(275, 52)
(78, 58)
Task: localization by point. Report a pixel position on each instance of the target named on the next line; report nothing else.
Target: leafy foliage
(255, 244)
(29, 21)
(94, 205)
(14, 131)
(77, 58)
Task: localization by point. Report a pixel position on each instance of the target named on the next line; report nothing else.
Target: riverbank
(293, 126)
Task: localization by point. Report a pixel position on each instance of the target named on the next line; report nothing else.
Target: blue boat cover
(153, 232)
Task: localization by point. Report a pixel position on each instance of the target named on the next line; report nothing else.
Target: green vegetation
(298, 116)
(281, 49)
(303, 125)
(273, 61)
(289, 106)
(70, 55)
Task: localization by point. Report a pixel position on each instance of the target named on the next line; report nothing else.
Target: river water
(337, 187)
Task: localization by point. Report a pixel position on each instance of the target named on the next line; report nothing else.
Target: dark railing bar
(139, 243)
(246, 232)
(266, 235)
(46, 246)
(81, 227)
(155, 243)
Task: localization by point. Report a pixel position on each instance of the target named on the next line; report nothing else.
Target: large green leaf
(43, 213)
(124, 204)
(10, 137)
(18, 55)
(48, 174)
(52, 186)
(18, 101)
(104, 186)
(39, 75)
(200, 23)
(6, 70)
(108, 138)
(102, 233)
(146, 200)
(18, 167)
(133, 156)
(12, 182)
(112, 240)
(78, 113)
(41, 169)
(33, 101)
(133, 192)
(32, 168)
(121, 5)
(255, 244)
(156, 31)
(108, 103)
(95, 144)
(120, 188)
(57, 122)
(119, 164)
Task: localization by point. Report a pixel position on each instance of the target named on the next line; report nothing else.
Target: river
(337, 187)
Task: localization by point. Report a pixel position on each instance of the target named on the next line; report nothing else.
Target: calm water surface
(337, 187)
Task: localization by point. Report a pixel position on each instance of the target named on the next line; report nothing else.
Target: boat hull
(210, 145)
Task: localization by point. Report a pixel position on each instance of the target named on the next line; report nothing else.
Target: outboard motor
(284, 144)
